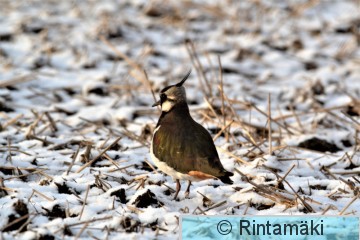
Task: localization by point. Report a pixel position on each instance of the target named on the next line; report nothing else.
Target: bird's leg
(178, 187)
(187, 192)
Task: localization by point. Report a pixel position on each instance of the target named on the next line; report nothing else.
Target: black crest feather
(184, 79)
(178, 84)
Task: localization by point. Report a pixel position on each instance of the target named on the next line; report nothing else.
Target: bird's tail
(226, 178)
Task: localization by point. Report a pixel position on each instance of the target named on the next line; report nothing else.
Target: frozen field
(76, 87)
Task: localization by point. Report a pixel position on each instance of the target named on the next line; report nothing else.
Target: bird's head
(172, 95)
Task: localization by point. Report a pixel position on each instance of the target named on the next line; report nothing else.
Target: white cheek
(166, 106)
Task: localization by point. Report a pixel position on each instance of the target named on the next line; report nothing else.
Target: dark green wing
(187, 147)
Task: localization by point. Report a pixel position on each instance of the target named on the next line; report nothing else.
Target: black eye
(163, 97)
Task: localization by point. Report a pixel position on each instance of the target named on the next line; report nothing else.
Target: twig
(46, 142)
(9, 150)
(98, 156)
(63, 145)
(305, 204)
(85, 157)
(348, 205)
(205, 197)
(17, 80)
(24, 175)
(81, 230)
(51, 120)
(357, 180)
(45, 175)
(30, 131)
(150, 87)
(170, 188)
(14, 149)
(41, 195)
(73, 160)
(326, 209)
(352, 119)
(111, 160)
(247, 135)
(12, 121)
(291, 159)
(22, 168)
(212, 109)
(120, 54)
(128, 60)
(269, 122)
(122, 168)
(297, 118)
(25, 224)
(272, 119)
(134, 209)
(233, 155)
(283, 117)
(247, 207)
(222, 97)
(84, 203)
(3, 188)
(287, 173)
(151, 166)
(197, 64)
(133, 136)
(345, 172)
(223, 129)
(15, 221)
(201, 211)
(89, 221)
(216, 205)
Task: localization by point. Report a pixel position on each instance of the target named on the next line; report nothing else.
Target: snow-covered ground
(76, 117)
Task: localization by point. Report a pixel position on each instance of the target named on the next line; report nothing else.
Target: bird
(181, 147)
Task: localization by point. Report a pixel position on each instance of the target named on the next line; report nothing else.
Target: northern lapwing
(181, 147)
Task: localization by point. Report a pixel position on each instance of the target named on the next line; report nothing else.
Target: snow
(305, 56)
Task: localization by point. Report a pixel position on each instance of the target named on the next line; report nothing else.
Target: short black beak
(156, 104)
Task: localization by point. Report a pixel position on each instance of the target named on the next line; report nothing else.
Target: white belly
(166, 168)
